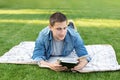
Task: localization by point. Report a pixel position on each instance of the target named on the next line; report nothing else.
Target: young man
(59, 39)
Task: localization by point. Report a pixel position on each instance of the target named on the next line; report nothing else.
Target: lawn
(98, 22)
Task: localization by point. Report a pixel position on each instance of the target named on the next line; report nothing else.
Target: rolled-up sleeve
(39, 50)
(80, 48)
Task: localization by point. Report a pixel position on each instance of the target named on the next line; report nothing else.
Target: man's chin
(60, 39)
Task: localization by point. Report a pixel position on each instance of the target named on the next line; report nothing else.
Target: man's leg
(71, 24)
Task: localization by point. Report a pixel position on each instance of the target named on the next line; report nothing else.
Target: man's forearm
(43, 63)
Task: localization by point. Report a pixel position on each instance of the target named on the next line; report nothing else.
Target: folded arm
(53, 66)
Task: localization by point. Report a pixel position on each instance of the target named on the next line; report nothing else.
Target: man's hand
(82, 62)
(57, 67)
(54, 66)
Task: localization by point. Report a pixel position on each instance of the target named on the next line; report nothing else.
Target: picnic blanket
(103, 57)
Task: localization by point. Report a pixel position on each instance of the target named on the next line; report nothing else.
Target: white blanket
(103, 57)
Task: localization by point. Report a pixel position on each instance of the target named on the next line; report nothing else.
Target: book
(69, 63)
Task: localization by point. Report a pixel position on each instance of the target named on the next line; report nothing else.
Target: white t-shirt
(57, 47)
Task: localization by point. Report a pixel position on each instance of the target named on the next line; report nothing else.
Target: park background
(98, 22)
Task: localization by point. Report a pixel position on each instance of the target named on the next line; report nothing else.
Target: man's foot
(71, 24)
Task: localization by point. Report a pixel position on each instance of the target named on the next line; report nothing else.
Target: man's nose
(63, 31)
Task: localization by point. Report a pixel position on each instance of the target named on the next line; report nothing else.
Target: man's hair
(57, 17)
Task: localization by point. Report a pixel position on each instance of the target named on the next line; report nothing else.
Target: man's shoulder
(72, 32)
(45, 31)
(44, 34)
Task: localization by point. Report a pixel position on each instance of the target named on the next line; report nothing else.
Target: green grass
(98, 22)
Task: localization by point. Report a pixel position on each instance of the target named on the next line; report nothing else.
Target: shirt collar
(50, 35)
(66, 37)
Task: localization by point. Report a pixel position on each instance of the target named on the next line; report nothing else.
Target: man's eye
(65, 28)
(59, 28)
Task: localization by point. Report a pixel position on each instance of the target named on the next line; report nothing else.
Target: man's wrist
(88, 58)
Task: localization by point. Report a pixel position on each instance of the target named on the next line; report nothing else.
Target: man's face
(59, 30)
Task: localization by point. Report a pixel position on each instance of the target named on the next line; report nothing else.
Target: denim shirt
(72, 41)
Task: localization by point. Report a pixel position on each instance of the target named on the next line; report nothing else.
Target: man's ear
(50, 26)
